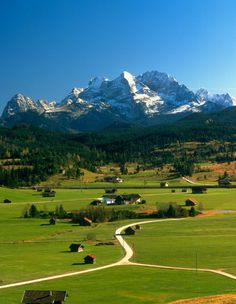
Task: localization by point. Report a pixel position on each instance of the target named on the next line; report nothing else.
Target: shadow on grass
(76, 264)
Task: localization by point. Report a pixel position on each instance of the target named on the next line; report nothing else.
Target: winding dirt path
(124, 261)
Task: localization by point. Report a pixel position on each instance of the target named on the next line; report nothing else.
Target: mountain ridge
(149, 98)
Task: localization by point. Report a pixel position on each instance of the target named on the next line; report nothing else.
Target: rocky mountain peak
(142, 99)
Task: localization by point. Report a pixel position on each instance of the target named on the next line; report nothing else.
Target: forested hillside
(29, 155)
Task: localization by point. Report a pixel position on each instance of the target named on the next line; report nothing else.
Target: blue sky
(50, 46)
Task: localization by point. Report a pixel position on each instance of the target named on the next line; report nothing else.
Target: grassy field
(31, 249)
(145, 178)
(44, 251)
(77, 198)
(205, 173)
(130, 285)
(203, 242)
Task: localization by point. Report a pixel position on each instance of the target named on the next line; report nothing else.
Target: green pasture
(129, 284)
(208, 242)
(32, 249)
(74, 199)
(143, 178)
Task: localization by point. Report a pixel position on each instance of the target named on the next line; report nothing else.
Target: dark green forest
(29, 155)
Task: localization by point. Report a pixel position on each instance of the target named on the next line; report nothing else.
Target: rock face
(149, 98)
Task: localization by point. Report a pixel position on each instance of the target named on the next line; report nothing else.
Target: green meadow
(129, 284)
(30, 248)
(207, 242)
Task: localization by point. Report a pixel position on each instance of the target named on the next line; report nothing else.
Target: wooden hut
(44, 297)
(164, 184)
(110, 190)
(76, 248)
(52, 221)
(7, 201)
(129, 231)
(199, 190)
(191, 202)
(90, 259)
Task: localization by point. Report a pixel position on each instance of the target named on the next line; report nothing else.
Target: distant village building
(113, 179)
(109, 199)
(44, 297)
(129, 231)
(164, 184)
(76, 248)
(90, 259)
(48, 193)
(191, 202)
(199, 190)
(123, 199)
(110, 190)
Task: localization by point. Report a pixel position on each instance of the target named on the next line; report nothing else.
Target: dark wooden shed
(52, 221)
(44, 297)
(110, 190)
(76, 248)
(90, 259)
(191, 202)
(129, 231)
(7, 201)
(199, 190)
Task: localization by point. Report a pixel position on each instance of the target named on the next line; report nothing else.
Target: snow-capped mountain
(144, 99)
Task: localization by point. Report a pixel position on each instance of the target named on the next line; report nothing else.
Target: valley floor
(32, 250)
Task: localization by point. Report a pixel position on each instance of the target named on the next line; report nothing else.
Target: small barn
(199, 190)
(48, 193)
(7, 201)
(76, 248)
(191, 202)
(44, 297)
(52, 221)
(110, 190)
(90, 259)
(113, 179)
(164, 184)
(129, 231)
